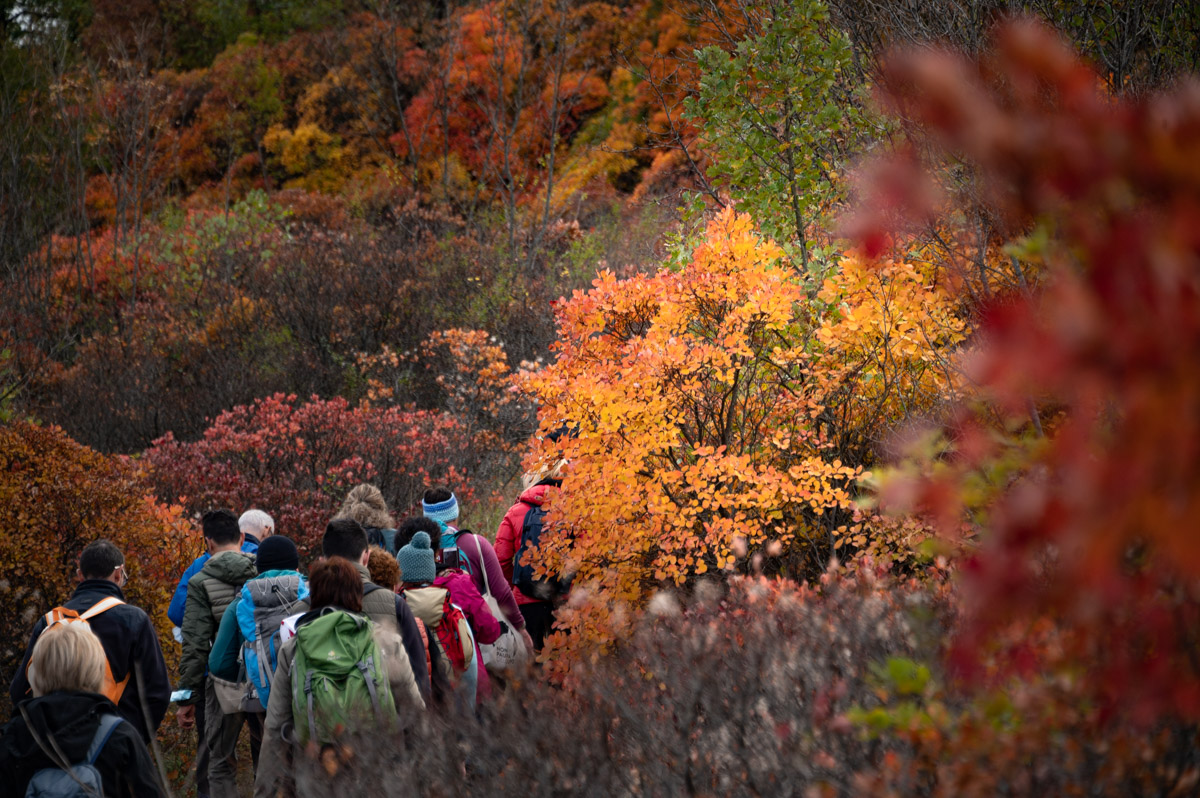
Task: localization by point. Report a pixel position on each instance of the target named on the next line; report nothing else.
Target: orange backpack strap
(103, 605)
(425, 640)
(112, 689)
(61, 615)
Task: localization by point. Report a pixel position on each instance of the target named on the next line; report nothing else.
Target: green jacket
(209, 594)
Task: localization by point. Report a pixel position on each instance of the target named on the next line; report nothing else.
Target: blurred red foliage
(1096, 530)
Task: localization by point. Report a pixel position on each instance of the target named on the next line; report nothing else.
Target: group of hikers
(392, 620)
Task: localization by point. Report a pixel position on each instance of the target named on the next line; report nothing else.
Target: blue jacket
(179, 600)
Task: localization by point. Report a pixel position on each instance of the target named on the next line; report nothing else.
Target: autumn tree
(130, 108)
(779, 109)
(690, 404)
(1084, 527)
(299, 458)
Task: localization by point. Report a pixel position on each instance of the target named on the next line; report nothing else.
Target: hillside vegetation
(871, 330)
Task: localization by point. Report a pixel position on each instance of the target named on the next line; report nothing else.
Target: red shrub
(297, 460)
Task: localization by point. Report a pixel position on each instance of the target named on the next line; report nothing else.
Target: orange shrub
(56, 496)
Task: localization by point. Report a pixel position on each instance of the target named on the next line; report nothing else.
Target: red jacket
(508, 536)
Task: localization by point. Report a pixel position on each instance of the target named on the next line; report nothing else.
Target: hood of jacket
(450, 577)
(70, 717)
(536, 494)
(230, 567)
(426, 603)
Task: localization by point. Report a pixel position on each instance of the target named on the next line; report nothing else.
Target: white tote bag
(508, 652)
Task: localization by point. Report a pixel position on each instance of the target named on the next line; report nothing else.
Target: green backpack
(339, 678)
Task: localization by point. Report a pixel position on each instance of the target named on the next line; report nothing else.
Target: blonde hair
(67, 656)
(544, 471)
(365, 504)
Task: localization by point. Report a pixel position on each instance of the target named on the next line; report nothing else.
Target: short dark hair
(335, 583)
(412, 526)
(99, 559)
(344, 537)
(221, 527)
(437, 495)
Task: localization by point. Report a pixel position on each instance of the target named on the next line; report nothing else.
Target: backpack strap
(425, 642)
(367, 667)
(487, 589)
(60, 614)
(108, 724)
(370, 587)
(103, 605)
(312, 720)
(264, 672)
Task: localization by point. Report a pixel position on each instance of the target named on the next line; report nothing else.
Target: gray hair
(256, 522)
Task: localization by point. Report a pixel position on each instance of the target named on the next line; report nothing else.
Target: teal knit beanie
(416, 560)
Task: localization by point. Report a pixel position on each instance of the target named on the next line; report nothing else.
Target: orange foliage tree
(692, 411)
(56, 496)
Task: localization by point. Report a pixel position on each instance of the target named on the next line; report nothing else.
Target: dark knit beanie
(277, 553)
(416, 560)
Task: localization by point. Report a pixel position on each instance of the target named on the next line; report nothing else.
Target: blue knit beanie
(442, 512)
(416, 560)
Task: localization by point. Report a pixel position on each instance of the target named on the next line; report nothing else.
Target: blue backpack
(523, 577)
(266, 601)
(80, 780)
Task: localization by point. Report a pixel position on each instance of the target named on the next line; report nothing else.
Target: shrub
(737, 690)
(57, 496)
(296, 460)
(1088, 523)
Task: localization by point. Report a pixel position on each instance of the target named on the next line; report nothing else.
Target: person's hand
(528, 641)
(186, 716)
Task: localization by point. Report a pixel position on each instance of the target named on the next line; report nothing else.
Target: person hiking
(345, 538)
(257, 526)
(140, 686)
(479, 558)
(68, 724)
(210, 593)
(248, 640)
(453, 611)
(538, 612)
(339, 671)
(365, 505)
(441, 506)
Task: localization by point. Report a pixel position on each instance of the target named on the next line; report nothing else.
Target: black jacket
(71, 720)
(131, 644)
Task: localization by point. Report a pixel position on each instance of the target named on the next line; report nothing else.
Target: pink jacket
(484, 625)
(483, 557)
(508, 536)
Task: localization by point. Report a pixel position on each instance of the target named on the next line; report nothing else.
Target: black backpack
(523, 578)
